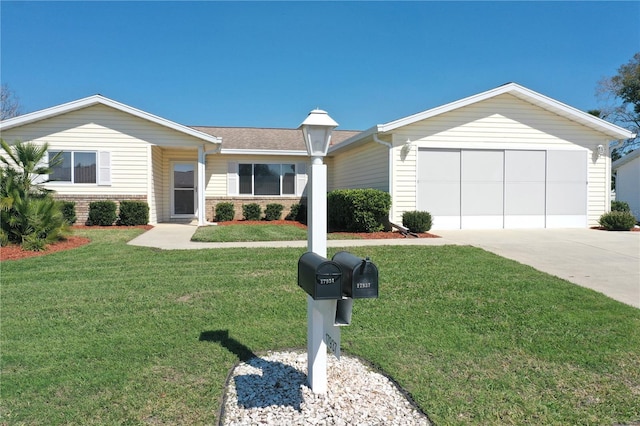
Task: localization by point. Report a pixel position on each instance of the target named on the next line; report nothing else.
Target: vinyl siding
(216, 170)
(365, 166)
(503, 122)
(101, 128)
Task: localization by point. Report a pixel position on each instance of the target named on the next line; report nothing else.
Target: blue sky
(267, 64)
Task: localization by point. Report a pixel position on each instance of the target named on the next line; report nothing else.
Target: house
(116, 152)
(627, 171)
(505, 158)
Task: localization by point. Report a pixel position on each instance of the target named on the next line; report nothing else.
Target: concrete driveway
(607, 262)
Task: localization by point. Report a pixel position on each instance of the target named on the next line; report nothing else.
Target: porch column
(201, 186)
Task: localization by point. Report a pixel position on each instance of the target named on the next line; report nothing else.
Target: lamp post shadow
(275, 384)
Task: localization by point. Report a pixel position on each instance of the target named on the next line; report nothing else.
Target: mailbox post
(317, 128)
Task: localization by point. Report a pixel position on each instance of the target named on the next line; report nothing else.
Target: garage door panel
(525, 189)
(439, 186)
(482, 198)
(566, 197)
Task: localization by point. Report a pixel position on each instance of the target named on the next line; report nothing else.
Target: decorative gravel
(272, 390)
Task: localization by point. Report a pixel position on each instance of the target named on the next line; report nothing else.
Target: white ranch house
(505, 158)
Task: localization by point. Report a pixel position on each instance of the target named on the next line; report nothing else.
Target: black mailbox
(319, 277)
(359, 276)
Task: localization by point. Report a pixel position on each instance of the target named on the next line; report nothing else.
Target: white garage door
(485, 189)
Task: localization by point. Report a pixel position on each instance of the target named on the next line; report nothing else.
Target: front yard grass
(114, 334)
(231, 233)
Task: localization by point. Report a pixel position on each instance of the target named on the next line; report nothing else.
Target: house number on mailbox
(331, 344)
(327, 280)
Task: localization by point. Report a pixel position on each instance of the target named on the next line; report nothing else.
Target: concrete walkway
(607, 262)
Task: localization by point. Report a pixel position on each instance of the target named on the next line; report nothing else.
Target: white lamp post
(316, 129)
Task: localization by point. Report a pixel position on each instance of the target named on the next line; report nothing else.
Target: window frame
(52, 152)
(281, 178)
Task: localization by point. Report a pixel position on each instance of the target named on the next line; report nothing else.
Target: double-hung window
(267, 179)
(74, 167)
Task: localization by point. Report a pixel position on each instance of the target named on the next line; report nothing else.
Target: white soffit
(525, 94)
(43, 114)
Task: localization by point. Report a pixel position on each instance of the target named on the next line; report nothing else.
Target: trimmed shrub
(251, 211)
(273, 211)
(133, 213)
(620, 206)
(102, 213)
(417, 221)
(225, 212)
(298, 212)
(358, 210)
(617, 221)
(68, 209)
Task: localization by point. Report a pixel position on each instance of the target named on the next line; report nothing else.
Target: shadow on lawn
(279, 384)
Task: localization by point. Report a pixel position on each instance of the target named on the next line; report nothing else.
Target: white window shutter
(39, 179)
(301, 179)
(104, 168)
(232, 178)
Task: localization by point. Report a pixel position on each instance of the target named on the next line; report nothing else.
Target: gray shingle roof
(266, 139)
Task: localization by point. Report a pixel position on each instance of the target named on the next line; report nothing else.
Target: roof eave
(237, 151)
(525, 94)
(353, 139)
(43, 114)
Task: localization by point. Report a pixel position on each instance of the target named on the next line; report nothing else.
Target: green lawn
(230, 233)
(114, 334)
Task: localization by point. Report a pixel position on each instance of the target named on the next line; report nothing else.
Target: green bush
(417, 221)
(617, 221)
(273, 211)
(225, 212)
(620, 206)
(298, 212)
(68, 209)
(251, 211)
(358, 210)
(133, 213)
(102, 213)
(29, 215)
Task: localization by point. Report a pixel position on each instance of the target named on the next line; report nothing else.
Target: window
(75, 167)
(267, 179)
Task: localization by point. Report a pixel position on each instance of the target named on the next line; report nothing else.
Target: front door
(183, 189)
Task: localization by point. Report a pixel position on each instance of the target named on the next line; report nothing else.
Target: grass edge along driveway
(112, 334)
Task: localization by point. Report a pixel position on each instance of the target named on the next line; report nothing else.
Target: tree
(621, 95)
(9, 103)
(29, 214)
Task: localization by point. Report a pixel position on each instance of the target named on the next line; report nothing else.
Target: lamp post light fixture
(317, 128)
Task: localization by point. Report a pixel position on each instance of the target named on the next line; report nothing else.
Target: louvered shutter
(232, 178)
(104, 168)
(301, 179)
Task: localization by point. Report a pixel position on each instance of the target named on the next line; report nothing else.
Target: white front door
(183, 189)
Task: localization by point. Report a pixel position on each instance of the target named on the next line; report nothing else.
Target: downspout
(390, 167)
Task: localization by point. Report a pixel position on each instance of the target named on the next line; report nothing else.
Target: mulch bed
(14, 252)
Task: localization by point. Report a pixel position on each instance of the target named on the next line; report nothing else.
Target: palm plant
(29, 215)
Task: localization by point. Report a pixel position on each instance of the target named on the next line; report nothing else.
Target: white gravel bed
(272, 390)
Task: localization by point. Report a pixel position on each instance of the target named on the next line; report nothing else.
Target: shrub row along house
(505, 158)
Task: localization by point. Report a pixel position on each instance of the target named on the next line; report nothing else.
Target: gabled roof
(624, 160)
(266, 141)
(513, 89)
(43, 114)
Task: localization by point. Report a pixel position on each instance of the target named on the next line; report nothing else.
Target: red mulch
(602, 228)
(14, 252)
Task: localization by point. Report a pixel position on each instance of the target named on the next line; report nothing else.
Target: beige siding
(216, 170)
(365, 166)
(100, 128)
(158, 207)
(503, 122)
(404, 177)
